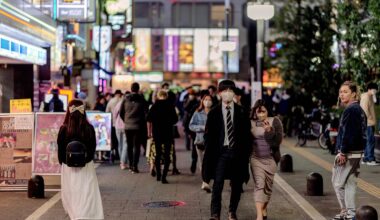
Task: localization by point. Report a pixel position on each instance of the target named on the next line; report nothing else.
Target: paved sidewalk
(124, 193)
(313, 159)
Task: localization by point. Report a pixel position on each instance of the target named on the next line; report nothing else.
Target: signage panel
(186, 50)
(215, 54)
(105, 38)
(157, 49)
(171, 46)
(143, 49)
(102, 125)
(20, 105)
(233, 56)
(201, 45)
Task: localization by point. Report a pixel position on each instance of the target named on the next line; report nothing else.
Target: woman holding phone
(267, 136)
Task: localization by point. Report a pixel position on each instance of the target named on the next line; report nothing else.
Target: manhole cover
(163, 204)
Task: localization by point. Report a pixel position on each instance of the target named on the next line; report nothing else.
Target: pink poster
(45, 157)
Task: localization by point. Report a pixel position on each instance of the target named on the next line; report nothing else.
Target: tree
(306, 60)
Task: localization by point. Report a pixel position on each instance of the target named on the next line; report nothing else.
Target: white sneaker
(373, 163)
(363, 162)
(206, 187)
(349, 215)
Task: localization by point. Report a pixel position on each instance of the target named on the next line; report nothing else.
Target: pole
(227, 13)
(100, 2)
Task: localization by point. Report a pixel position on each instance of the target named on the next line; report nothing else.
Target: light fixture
(257, 11)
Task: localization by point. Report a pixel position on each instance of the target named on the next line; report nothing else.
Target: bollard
(314, 184)
(377, 148)
(36, 187)
(286, 163)
(365, 213)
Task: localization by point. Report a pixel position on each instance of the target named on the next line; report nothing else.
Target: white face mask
(227, 96)
(207, 103)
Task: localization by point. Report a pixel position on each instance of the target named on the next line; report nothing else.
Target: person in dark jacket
(161, 118)
(350, 144)
(227, 149)
(55, 104)
(100, 104)
(79, 200)
(133, 113)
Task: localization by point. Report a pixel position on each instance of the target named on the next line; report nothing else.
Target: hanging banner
(20, 105)
(16, 141)
(215, 54)
(186, 50)
(233, 56)
(201, 45)
(171, 46)
(157, 49)
(102, 125)
(143, 49)
(45, 150)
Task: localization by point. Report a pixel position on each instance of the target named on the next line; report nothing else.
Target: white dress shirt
(224, 111)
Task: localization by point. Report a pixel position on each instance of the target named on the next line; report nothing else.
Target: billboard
(157, 49)
(102, 125)
(171, 47)
(233, 56)
(142, 39)
(75, 10)
(215, 54)
(16, 141)
(45, 151)
(186, 50)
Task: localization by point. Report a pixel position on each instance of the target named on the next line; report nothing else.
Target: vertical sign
(215, 54)
(45, 151)
(143, 49)
(157, 49)
(186, 50)
(171, 46)
(102, 125)
(16, 140)
(201, 45)
(233, 56)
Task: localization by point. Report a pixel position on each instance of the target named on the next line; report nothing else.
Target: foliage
(306, 60)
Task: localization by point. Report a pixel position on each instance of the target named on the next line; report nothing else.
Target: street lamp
(259, 12)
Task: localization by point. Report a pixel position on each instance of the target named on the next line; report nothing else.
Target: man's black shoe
(232, 216)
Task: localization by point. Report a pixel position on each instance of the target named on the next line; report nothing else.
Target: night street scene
(189, 109)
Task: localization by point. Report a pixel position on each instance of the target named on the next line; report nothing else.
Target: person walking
(100, 104)
(267, 135)
(109, 108)
(79, 185)
(197, 125)
(367, 102)
(133, 113)
(227, 149)
(120, 135)
(161, 118)
(55, 104)
(350, 144)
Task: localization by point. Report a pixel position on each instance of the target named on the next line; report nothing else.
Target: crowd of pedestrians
(226, 138)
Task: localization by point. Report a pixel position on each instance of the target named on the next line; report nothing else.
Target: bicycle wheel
(322, 142)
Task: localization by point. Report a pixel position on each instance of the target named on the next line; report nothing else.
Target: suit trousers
(133, 146)
(225, 160)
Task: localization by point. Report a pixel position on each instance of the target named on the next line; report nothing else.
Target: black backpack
(76, 154)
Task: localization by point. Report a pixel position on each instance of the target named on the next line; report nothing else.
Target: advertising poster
(20, 105)
(215, 54)
(201, 45)
(186, 50)
(233, 56)
(16, 140)
(142, 39)
(157, 49)
(171, 46)
(45, 151)
(102, 125)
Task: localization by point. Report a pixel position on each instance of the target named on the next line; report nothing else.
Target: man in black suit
(227, 149)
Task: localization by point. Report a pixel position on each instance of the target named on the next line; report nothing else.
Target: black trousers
(166, 145)
(134, 144)
(225, 160)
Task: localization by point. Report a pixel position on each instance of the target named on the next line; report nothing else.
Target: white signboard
(105, 38)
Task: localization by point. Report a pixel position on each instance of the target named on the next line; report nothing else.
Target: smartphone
(259, 123)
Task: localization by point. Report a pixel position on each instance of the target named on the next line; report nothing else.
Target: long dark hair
(201, 105)
(76, 123)
(259, 104)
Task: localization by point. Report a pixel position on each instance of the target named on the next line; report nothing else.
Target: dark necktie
(230, 128)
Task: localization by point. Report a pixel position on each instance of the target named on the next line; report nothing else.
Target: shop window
(148, 14)
(4, 44)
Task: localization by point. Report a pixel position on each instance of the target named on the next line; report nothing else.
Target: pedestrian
(227, 149)
(190, 105)
(120, 135)
(100, 104)
(197, 125)
(79, 185)
(350, 144)
(161, 118)
(367, 102)
(55, 104)
(133, 113)
(213, 92)
(267, 134)
(109, 108)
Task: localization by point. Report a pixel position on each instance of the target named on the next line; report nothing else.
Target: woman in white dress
(79, 185)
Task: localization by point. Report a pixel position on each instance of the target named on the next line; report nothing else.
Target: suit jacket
(214, 142)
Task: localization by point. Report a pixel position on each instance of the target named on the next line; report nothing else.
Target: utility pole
(227, 16)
